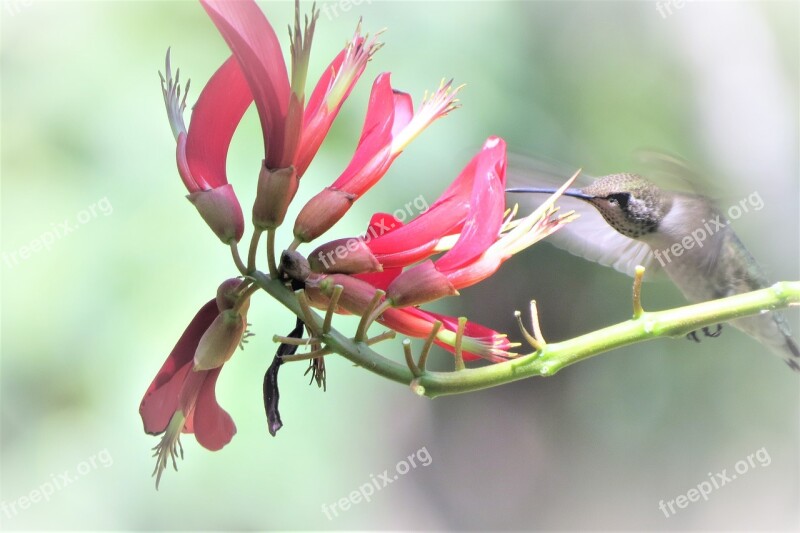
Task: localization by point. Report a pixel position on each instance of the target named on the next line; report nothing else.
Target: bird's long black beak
(575, 193)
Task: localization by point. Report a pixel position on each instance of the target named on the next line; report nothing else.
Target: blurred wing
(590, 236)
(672, 172)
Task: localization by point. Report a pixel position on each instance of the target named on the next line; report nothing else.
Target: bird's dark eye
(620, 198)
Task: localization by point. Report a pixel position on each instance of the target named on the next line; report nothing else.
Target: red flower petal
(253, 41)
(373, 156)
(213, 427)
(380, 109)
(317, 98)
(317, 118)
(417, 323)
(161, 399)
(403, 111)
(487, 205)
(158, 406)
(379, 225)
(215, 116)
(472, 329)
(183, 352)
(446, 216)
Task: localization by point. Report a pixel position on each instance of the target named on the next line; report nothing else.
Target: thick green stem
(554, 356)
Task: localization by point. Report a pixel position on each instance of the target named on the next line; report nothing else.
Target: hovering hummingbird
(682, 235)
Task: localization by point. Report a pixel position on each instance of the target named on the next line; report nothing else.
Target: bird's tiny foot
(692, 336)
(716, 333)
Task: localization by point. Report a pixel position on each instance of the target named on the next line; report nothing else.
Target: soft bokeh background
(86, 324)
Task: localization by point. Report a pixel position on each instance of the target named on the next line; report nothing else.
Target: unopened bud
(355, 298)
(276, 190)
(226, 293)
(344, 256)
(321, 213)
(221, 210)
(419, 285)
(219, 341)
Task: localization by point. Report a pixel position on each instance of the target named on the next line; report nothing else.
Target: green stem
(251, 255)
(554, 356)
(273, 268)
(237, 258)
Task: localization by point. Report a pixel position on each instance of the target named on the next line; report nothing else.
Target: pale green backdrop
(87, 322)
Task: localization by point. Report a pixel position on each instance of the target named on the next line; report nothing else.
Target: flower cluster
(460, 240)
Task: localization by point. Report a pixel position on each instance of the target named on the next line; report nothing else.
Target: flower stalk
(554, 356)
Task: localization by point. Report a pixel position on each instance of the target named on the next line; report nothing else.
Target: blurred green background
(87, 323)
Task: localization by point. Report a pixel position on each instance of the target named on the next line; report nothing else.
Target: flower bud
(355, 298)
(221, 211)
(226, 298)
(219, 341)
(418, 285)
(344, 256)
(276, 190)
(321, 213)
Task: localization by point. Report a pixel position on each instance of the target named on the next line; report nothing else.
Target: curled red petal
(213, 427)
(380, 109)
(257, 49)
(403, 111)
(446, 216)
(317, 99)
(317, 118)
(487, 206)
(374, 154)
(215, 116)
(161, 399)
(183, 352)
(158, 406)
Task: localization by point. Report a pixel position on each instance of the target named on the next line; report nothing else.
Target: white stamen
(170, 446)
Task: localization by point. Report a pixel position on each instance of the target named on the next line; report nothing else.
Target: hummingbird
(678, 234)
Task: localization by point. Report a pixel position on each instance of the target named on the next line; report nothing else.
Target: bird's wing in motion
(590, 236)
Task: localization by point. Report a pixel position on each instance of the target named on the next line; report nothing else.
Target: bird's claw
(692, 335)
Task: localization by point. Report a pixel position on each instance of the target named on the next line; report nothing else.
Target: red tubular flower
(256, 47)
(480, 248)
(181, 399)
(392, 245)
(467, 220)
(418, 239)
(478, 341)
(390, 125)
(202, 151)
(332, 89)
(292, 133)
